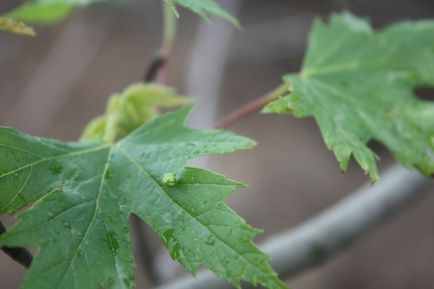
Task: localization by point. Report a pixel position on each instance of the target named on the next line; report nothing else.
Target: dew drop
(210, 240)
(175, 251)
(167, 236)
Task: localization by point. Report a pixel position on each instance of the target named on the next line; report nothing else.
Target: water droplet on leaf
(210, 241)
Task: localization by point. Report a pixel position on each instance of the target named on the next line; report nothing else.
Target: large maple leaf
(84, 193)
(358, 85)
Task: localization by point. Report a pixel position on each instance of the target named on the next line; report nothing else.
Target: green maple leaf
(84, 193)
(358, 85)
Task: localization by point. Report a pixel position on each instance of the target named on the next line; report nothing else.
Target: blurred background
(53, 84)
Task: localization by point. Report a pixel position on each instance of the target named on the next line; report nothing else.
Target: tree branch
(250, 107)
(157, 64)
(20, 255)
(327, 234)
(144, 249)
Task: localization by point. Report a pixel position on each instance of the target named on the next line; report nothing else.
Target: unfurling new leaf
(84, 193)
(358, 85)
(130, 109)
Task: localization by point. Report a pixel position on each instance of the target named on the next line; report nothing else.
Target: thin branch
(144, 249)
(324, 236)
(20, 255)
(157, 64)
(251, 107)
(158, 69)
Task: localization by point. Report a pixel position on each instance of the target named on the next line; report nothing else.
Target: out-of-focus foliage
(203, 8)
(50, 11)
(15, 26)
(34, 12)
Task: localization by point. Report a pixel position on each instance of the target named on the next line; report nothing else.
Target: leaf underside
(82, 196)
(358, 85)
